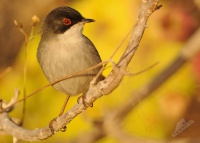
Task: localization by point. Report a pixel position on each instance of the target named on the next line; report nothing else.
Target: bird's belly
(73, 86)
(63, 64)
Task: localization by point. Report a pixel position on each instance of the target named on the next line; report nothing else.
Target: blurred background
(154, 118)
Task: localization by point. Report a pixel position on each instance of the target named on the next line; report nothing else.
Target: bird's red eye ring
(67, 21)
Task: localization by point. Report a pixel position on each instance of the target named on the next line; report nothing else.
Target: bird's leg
(95, 80)
(64, 105)
(60, 114)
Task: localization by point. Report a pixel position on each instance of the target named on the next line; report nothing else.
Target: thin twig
(5, 71)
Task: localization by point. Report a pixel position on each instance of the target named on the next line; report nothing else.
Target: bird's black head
(61, 19)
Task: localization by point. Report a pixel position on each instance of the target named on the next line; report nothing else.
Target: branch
(188, 51)
(96, 90)
(110, 123)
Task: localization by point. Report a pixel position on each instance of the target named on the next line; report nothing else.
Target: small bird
(64, 50)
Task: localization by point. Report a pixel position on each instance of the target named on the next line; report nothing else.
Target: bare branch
(187, 52)
(13, 100)
(111, 122)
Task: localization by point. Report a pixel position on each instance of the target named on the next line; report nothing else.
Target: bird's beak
(86, 20)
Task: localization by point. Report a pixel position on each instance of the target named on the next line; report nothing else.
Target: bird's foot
(63, 129)
(83, 98)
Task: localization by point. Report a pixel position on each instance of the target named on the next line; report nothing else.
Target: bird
(64, 50)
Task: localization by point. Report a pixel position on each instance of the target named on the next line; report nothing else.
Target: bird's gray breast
(60, 57)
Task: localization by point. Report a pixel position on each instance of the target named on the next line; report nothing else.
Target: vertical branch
(24, 76)
(27, 39)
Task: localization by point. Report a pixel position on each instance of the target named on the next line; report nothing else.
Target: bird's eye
(67, 21)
